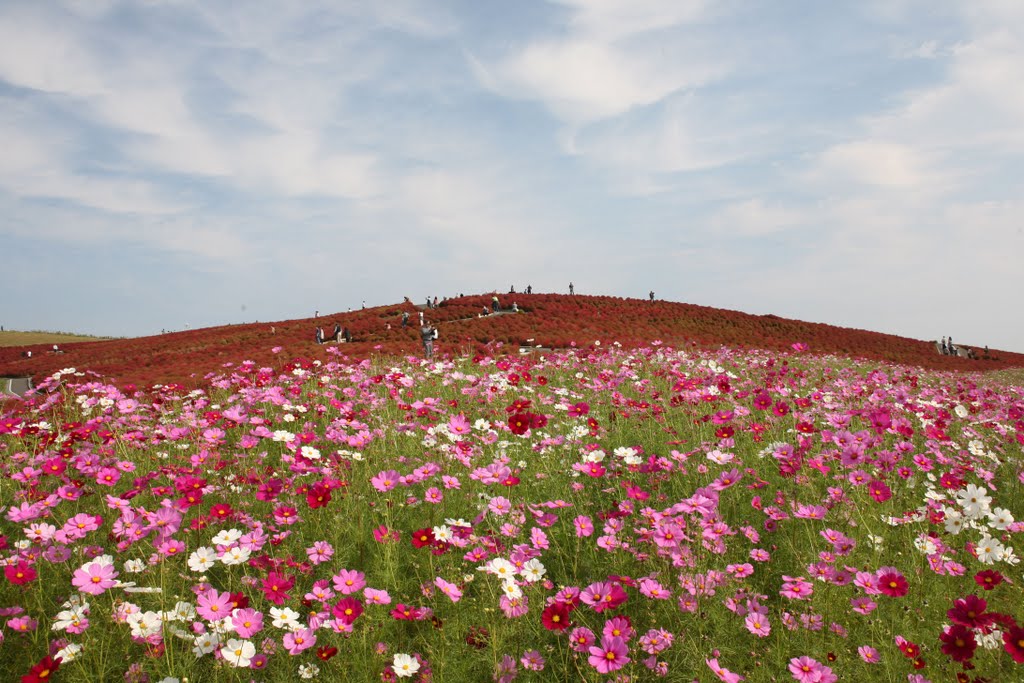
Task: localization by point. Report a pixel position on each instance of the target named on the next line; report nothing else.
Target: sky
(173, 164)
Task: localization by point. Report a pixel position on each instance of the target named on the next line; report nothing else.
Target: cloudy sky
(173, 163)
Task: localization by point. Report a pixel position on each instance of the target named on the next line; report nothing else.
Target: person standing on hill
(405, 319)
(571, 292)
(428, 334)
(651, 296)
(319, 336)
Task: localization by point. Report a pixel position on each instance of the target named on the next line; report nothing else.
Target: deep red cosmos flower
(959, 643)
(970, 612)
(422, 537)
(893, 584)
(1013, 643)
(318, 496)
(519, 423)
(42, 671)
(326, 652)
(988, 579)
(555, 616)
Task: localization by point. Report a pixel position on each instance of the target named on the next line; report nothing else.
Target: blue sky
(173, 163)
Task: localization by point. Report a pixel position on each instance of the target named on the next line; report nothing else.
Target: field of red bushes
(548, 320)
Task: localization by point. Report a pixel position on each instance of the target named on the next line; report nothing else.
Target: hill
(548, 320)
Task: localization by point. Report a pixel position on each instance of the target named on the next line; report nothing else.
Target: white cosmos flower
(500, 567)
(954, 522)
(202, 559)
(238, 652)
(309, 671)
(68, 654)
(511, 590)
(1000, 519)
(283, 434)
(226, 537)
(533, 570)
(310, 453)
(974, 500)
(236, 555)
(989, 550)
(405, 665)
(960, 411)
(285, 617)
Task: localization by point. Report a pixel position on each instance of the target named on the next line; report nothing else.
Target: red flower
(555, 616)
(41, 672)
(318, 496)
(879, 490)
(348, 609)
(958, 642)
(988, 579)
(893, 584)
(969, 612)
(20, 573)
(422, 537)
(326, 652)
(238, 600)
(519, 423)
(1013, 643)
(221, 511)
(276, 587)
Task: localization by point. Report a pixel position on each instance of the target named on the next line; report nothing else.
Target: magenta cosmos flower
(611, 655)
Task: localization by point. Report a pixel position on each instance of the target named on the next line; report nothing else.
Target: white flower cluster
(974, 510)
(532, 571)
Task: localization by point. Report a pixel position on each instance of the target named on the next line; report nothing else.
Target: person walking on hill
(405, 319)
(571, 291)
(337, 332)
(495, 306)
(651, 296)
(319, 336)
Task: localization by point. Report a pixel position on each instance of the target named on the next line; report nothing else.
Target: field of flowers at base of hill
(593, 515)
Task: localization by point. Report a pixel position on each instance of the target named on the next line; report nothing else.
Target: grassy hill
(548, 320)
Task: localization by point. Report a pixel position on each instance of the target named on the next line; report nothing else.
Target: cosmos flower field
(598, 514)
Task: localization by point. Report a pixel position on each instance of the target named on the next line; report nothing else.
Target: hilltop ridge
(544, 320)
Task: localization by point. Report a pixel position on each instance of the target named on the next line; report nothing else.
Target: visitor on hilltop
(405, 319)
(346, 335)
(651, 295)
(421, 318)
(495, 306)
(485, 312)
(515, 307)
(950, 349)
(337, 333)
(435, 302)
(571, 290)
(512, 289)
(529, 289)
(319, 335)
(428, 334)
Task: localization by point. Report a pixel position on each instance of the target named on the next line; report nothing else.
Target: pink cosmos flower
(349, 581)
(581, 638)
(449, 589)
(213, 606)
(723, 673)
(758, 624)
(320, 552)
(94, 577)
(807, 670)
(610, 656)
(385, 480)
(654, 590)
(299, 640)
(247, 622)
(620, 627)
(584, 526)
(796, 588)
(376, 596)
(868, 654)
